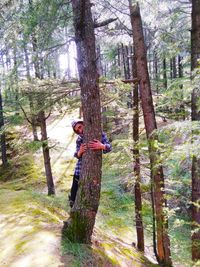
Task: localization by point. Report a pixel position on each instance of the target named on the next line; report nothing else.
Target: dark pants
(74, 188)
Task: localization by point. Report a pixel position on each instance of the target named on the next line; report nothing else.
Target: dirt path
(31, 232)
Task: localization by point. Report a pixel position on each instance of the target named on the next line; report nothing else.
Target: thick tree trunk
(86, 205)
(195, 208)
(136, 163)
(46, 156)
(163, 243)
(195, 55)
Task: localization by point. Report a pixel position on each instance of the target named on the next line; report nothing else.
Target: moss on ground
(31, 222)
(113, 234)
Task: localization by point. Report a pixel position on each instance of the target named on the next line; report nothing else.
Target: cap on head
(74, 122)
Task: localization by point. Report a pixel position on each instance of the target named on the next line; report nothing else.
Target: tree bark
(195, 55)
(119, 60)
(34, 42)
(136, 163)
(124, 61)
(3, 138)
(84, 211)
(41, 115)
(171, 68)
(180, 75)
(16, 78)
(127, 62)
(155, 63)
(174, 71)
(165, 73)
(163, 243)
(33, 117)
(46, 156)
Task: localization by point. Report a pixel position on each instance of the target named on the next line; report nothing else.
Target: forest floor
(31, 222)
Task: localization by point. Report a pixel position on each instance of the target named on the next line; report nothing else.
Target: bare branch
(104, 23)
(24, 112)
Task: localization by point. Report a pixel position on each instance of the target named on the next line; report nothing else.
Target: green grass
(115, 205)
(114, 227)
(180, 237)
(114, 222)
(21, 173)
(116, 210)
(80, 252)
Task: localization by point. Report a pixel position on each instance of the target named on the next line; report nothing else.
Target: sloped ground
(31, 222)
(30, 231)
(31, 228)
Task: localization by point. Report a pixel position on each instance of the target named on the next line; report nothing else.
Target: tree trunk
(68, 56)
(3, 139)
(163, 243)
(114, 65)
(180, 67)
(46, 156)
(155, 63)
(41, 116)
(149, 61)
(86, 205)
(119, 60)
(127, 62)
(174, 71)
(33, 119)
(7, 69)
(16, 78)
(124, 61)
(165, 73)
(180, 74)
(35, 58)
(99, 61)
(195, 55)
(171, 68)
(136, 163)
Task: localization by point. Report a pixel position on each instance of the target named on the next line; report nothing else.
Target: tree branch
(104, 23)
(25, 114)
